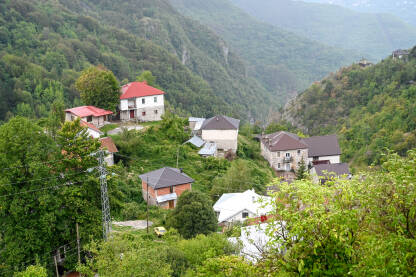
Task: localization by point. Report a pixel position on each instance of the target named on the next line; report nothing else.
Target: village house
(162, 187)
(141, 102)
(107, 144)
(195, 124)
(285, 151)
(322, 172)
(91, 129)
(221, 130)
(364, 63)
(400, 54)
(237, 207)
(90, 114)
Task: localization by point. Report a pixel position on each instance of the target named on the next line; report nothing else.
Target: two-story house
(139, 101)
(89, 114)
(221, 130)
(163, 186)
(285, 151)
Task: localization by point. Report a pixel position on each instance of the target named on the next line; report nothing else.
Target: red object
(321, 162)
(263, 218)
(131, 113)
(108, 144)
(89, 125)
(138, 89)
(84, 111)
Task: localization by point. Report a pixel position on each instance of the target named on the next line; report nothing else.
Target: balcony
(287, 159)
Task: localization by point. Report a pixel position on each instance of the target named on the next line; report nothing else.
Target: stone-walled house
(89, 114)
(222, 130)
(141, 102)
(162, 187)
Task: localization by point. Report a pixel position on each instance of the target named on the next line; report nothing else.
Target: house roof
(281, 141)
(90, 126)
(231, 204)
(209, 149)
(221, 122)
(197, 141)
(323, 146)
(108, 144)
(401, 52)
(84, 111)
(166, 177)
(338, 169)
(138, 89)
(195, 119)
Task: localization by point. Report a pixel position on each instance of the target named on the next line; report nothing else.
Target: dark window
(171, 189)
(143, 113)
(245, 214)
(155, 111)
(278, 165)
(298, 152)
(143, 100)
(278, 154)
(155, 99)
(287, 155)
(89, 118)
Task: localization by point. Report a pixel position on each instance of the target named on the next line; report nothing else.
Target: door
(131, 113)
(171, 204)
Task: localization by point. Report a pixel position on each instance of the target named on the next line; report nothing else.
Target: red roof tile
(108, 144)
(138, 89)
(84, 111)
(89, 125)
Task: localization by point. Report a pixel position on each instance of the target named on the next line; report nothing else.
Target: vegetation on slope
(45, 46)
(283, 61)
(371, 109)
(373, 35)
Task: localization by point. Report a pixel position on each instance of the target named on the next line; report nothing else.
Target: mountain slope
(406, 10)
(371, 109)
(43, 41)
(283, 61)
(375, 35)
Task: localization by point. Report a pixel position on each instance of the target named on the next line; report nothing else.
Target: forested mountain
(45, 44)
(371, 109)
(374, 35)
(281, 60)
(405, 9)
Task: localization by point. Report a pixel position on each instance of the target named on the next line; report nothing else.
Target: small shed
(209, 150)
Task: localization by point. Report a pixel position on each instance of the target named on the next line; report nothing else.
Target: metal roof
(197, 141)
(166, 197)
(166, 177)
(323, 146)
(84, 111)
(221, 122)
(209, 149)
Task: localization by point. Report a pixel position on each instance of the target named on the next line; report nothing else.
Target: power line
(35, 190)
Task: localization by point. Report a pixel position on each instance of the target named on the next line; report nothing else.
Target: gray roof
(281, 141)
(197, 141)
(221, 122)
(338, 169)
(209, 149)
(322, 146)
(166, 177)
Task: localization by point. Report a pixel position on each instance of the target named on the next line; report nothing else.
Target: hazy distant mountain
(374, 34)
(405, 9)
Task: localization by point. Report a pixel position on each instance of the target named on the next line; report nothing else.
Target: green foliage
(32, 271)
(148, 77)
(193, 215)
(371, 34)
(370, 109)
(302, 171)
(99, 87)
(225, 266)
(358, 227)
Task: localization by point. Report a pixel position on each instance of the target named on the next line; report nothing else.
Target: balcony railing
(287, 159)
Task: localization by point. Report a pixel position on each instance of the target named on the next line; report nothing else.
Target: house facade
(108, 145)
(162, 187)
(89, 114)
(222, 130)
(141, 102)
(91, 129)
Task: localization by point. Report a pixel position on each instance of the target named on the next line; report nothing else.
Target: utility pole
(147, 204)
(104, 196)
(56, 266)
(79, 252)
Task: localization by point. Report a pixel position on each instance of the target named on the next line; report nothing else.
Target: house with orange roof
(108, 145)
(141, 102)
(88, 114)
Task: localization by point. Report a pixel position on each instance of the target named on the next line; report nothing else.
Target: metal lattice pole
(104, 196)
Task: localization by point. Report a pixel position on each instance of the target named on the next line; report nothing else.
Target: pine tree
(301, 173)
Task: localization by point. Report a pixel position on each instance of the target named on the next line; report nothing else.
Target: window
(287, 167)
(171, 189)
(143, 113)
(287, 155)
(155, 99)
(143, 101)
(278, 165)
(298, 152)
(155, 111)
(278, 154)
(244, 215)
(89, 118)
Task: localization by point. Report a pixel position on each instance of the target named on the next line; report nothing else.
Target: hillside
(406, 10)
(45, 41)
(284, 62)
(371, 109)
(374, 35)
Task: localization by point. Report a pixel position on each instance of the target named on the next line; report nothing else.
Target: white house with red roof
(139, 101)
(89, 114)
(91, 129)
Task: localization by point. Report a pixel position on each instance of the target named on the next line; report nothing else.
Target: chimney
(181, 170)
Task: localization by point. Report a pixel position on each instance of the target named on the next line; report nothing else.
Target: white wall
(124, 104)
(239, 216)
(225, 139)
(93, 133)
(332, 159)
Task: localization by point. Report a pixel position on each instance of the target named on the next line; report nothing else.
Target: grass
(108, 127)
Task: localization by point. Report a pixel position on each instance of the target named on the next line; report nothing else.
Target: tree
(99, 87)
(225, 266)
(148, 77)
(301, 173)
(32, 271)
(194, 215)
